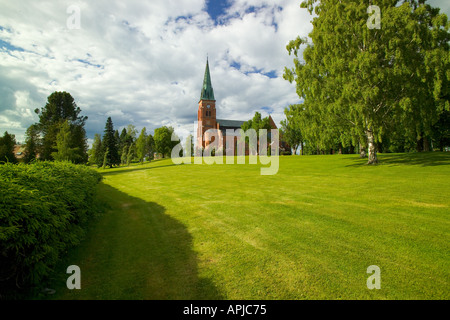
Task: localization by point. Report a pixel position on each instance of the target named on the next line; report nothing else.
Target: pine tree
(109, 144)
(60, 107)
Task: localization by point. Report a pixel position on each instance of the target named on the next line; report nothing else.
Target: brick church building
(207, 112)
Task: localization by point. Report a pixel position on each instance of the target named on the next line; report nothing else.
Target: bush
(44, 208)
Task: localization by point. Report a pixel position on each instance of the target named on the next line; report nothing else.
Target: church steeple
(206, 108)
(207, 90)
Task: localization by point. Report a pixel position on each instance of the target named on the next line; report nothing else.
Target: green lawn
(309, 232)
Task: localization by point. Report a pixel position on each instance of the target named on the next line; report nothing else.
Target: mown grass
(309, 232)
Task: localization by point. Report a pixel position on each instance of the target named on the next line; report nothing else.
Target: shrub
(44, 208)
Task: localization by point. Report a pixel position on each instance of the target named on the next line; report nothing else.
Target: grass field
(309, 232)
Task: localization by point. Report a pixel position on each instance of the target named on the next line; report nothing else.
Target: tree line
(370, 89)
(59, 135)
(114, 149)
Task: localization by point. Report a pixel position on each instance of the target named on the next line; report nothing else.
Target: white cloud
(142, 62)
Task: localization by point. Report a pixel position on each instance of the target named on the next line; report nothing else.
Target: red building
(207, 116)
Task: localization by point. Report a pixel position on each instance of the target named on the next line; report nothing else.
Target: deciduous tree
(96, 152)
(142, 146)
(367, 81)
(64, 150)
(163, 141)
(292, 127)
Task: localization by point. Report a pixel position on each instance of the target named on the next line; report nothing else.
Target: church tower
(206, 108)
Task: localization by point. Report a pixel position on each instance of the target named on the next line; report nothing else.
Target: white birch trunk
(372, 150)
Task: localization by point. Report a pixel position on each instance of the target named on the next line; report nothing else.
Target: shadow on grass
(121, 170)
(424, 159)
(133, 251)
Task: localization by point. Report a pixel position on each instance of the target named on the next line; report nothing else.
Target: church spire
(207, 90)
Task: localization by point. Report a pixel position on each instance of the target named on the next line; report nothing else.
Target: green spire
(207, 90)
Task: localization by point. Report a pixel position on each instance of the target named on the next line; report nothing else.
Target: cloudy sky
(142, 62)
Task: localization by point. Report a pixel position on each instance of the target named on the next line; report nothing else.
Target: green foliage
(441, 131)
(132, 132)
(256, 124)
(131, 153)
(109, 143)
(361, 84)
(96, 155)
(122, 143)
(151, 146)
(117, 138)
(126, 139)
(44, 208)
(61, 107)
(163, 141)
(142, 147)
(7, 143)
(124, 155)
(105, 158)
(292, 127)
(79, 142)
(33, 143)
(63, 145)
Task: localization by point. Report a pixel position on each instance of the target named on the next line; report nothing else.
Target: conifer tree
(109, 144)
(60, 107)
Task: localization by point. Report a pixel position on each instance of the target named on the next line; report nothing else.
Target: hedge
(44, 208)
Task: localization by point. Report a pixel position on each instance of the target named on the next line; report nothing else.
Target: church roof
(207, 90)
(230, 123)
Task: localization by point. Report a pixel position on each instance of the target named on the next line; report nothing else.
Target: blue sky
(217, 8)
(142, 62)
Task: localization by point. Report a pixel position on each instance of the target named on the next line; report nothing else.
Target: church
(207, 118)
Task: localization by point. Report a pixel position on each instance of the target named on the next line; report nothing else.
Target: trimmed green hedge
(44, 208)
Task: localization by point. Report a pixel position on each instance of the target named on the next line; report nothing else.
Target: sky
(143, 62)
